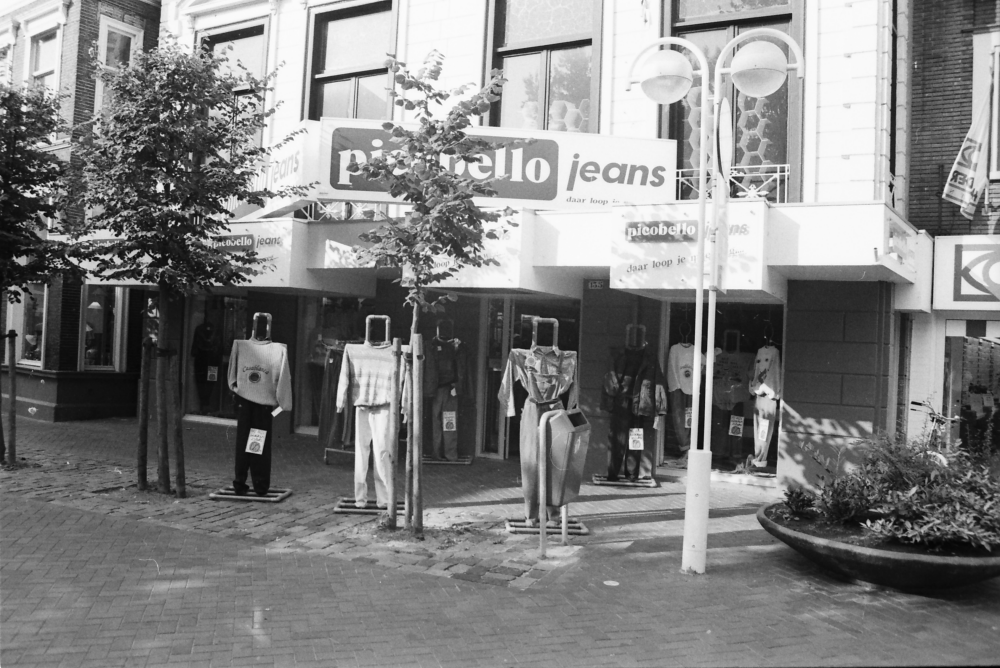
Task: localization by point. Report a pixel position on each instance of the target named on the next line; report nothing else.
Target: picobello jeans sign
(533, 169)
(656, 247)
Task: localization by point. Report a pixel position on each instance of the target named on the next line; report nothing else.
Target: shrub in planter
(920, 492)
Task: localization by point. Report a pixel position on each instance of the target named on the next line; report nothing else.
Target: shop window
(972, 381)
(765, 129)
(102, 320)
(44, 60)
(116, 44)
(32, 325)
(325, 325)
(213, 323)
(550, 58)
(349, 77)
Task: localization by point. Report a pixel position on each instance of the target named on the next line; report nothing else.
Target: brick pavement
(94, 575)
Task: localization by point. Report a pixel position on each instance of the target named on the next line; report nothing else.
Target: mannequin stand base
(274, 495)
(346, 506)
(464, 461)
(574, 527)
(644, 481)
(336, 451)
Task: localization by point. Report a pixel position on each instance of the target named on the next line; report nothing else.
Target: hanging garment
(445, 372)
(371, 427)
(634, 392)
(206, 354)
(680, 409)
(764, 417)
(680, 367)
(258, 371)
(251, 415)
(336, 430)
(766, 387)
(731, 379)
(366, 381)
(546, 373)
(366, 375)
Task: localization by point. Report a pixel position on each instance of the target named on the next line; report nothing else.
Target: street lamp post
(758, 70)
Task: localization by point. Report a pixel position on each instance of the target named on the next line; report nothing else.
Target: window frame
(6, 61)
(995, 119)
(107, 23)
(314, 79)
(495, 54)
(15, 321)
(794, 14)
(33, 74)
(118, 340)
(231, 32)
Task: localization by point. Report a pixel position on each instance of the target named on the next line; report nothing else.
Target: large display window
(213, 323)
(972, 385)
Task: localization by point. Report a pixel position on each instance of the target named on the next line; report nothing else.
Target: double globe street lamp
(758, 69)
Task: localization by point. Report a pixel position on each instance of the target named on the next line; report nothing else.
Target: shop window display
(214, 323)
(327, 325)
(746, 385)
(99, 326)
(32, 326)
(972, 385)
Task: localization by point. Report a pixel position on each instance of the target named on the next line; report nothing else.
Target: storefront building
(955, 347)
(824, 262)
(77, 350)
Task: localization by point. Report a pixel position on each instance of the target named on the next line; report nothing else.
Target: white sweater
(258, 372)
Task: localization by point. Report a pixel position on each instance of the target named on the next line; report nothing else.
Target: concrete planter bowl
(900, 570)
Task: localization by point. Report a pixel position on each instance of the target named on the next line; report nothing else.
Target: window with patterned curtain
(546, 50)
(764, 129)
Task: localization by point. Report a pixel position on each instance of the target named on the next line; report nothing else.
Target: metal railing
(768, 182)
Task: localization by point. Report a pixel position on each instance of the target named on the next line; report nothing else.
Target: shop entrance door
(508, 325)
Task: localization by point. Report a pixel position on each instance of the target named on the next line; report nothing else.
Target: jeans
(251, 415)
(445, 444)
(371, 428)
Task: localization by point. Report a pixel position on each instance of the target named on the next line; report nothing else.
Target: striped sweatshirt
(258, 372)
(366, 373)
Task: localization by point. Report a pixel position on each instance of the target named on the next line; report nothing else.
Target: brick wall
(942, 111)
(837, 372)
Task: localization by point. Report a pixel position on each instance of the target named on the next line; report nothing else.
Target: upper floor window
(44, 59)
(244, 48)
(116, 44)
(547, 51)
(349, 77)
(766, 129)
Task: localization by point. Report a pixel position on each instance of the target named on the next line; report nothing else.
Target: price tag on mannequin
(449, 422)
(762, 428)
(687, 418)
(213, 373)
(635, 440)
(736, 425)
(255, 443)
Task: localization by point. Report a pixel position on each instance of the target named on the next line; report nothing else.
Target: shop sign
(967, 273)
(234, 243)
(668, 261)
(533, 170)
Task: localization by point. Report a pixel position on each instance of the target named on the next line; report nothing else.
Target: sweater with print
(258, 372)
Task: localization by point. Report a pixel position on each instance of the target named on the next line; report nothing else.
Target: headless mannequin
(445, 382)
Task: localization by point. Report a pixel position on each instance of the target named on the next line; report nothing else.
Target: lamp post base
(696, 511)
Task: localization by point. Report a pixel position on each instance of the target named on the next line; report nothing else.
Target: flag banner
(720, 191)
(968, 177)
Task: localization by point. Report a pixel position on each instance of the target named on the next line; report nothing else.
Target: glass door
(498, 339)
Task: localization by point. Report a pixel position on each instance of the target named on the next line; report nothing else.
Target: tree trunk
(394, 431)
(180, 486)
(12, 403)
(418, 429)
(141, 454)
(408, 483)
(163, 453)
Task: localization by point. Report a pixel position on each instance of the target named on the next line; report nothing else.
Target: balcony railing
(768, 182)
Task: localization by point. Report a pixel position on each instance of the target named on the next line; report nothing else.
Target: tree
(443, 221)
(176, 144)
(30, 178)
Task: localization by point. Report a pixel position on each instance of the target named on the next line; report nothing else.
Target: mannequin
(366, 382)
(206, 356)
(634, 394)
(445, 380)
(260, 377)
(546, 372)
(680, 370)
(766, 387)
(730, 393)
